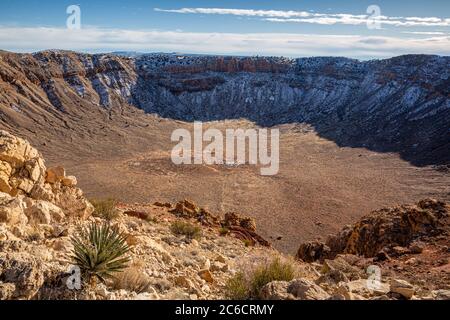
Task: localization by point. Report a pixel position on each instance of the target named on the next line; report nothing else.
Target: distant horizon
(141, 53)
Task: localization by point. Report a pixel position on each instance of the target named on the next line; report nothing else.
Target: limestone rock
(69, 181)
(298, 289)
(7, 290)
(385, 228)
(402, 287)
(276, 290)
(43, 212)
(24, 271)
(361, 289)
(15, 150)
(340, 264)
(304, 289)
(12, 210)
(441, 294)
(55, 174)
(5, 173)
(219, 266)
(206, 275)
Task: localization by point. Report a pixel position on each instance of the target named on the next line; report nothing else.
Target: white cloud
(426, 33)
(287, 44)
(316, 18)
(240, 12)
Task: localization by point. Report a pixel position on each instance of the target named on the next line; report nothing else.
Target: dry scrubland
(182, 251)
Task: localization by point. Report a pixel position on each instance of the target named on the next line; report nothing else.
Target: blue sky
(290, 28)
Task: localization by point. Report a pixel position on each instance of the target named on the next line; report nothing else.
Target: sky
(293, 28)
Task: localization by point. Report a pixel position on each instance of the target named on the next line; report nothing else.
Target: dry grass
(105, 208)
(247, 284)
(187, 229)
(132, 279)
(224, 231)
(237, 287)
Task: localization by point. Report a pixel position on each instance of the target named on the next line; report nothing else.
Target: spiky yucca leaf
(100, 251)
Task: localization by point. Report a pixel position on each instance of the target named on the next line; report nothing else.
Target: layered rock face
(31, 193)
(35, 202)
(384, 231)
(400, 104)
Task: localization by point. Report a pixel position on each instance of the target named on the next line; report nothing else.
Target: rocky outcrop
(37, 223)
(241, 227)
(298, 289)
(31, 193)
(383, 231)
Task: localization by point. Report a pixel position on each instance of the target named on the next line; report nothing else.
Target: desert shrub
(132, 279)
(237, 287)
(248, 284)
(275, 271)
(224, 231)
(248, 242)
(105, 208)
(184, 228)
(99, 251)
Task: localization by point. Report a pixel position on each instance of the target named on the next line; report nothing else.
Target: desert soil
(320, 186)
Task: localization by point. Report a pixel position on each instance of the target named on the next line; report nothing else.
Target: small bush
(275, 271)
(99, 251)
(132, 279)
(237, 287)
(248, 242)
(105, 209)
(248, 285)
(184, 228)
(224, 231)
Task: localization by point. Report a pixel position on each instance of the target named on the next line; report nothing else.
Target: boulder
(69, 181)
(361, 289)
(297, 289)
(441, 294)
(72, 201)
(403, 288)
(15, 150)
(55, 174)
(312, 251)
(206, 275)
(304, 289)
(12, 210)
(276, 290)
(5, 173)
(7, 290)
(25, 271)
(340, 264)
(43, 212)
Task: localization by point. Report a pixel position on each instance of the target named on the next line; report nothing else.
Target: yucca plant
(100, 251)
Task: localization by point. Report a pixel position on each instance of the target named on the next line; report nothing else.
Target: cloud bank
(317, 18)
(285, 44)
